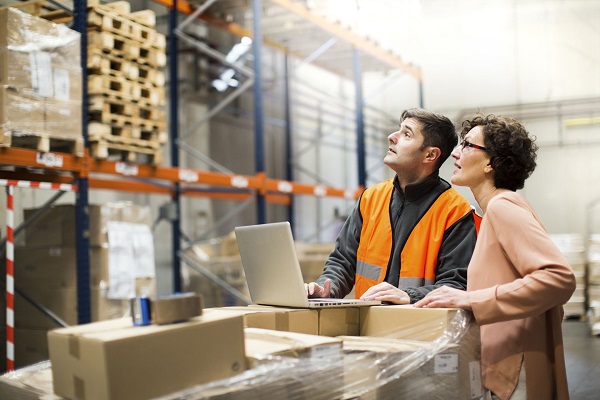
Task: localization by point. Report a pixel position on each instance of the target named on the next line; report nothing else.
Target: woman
(517, 279)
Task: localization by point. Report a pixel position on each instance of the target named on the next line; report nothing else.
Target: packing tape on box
(165, 309)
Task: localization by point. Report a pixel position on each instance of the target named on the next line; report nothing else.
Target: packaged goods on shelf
(39, 60)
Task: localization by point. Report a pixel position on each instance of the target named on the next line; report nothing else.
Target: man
(408, 235)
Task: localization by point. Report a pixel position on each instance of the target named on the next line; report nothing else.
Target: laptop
(272, 269)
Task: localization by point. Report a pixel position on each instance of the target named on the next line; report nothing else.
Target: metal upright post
(261, 214)
(360, 127)
(421, 102)
(82, 225)
(288, 134)
(174, 133)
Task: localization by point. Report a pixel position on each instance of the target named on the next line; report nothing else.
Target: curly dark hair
(438, 131)
(511, 149)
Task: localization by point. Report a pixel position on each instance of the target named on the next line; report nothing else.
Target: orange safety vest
(418, 259)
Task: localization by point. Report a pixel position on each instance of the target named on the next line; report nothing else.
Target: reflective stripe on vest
(418, 260)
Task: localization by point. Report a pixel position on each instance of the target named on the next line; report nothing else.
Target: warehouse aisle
(582, 354)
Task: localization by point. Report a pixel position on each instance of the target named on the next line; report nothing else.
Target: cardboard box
(63, 303)
(38, 56)
(56, 227)
(63, 118)
(266, 342)
(115, 360)
(31, 346)
(56, 266)
(19, 114)
(344, 321)
(383, 368)
(405, 322)
(275, 318)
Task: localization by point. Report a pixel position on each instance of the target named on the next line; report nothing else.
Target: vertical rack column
(261, 214)
(82, 224)
(174, 135)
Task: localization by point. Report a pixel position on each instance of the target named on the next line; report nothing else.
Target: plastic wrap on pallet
(30, 383)
(40, 59)
(384, 369)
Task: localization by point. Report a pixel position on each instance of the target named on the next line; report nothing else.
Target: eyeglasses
(464, 144)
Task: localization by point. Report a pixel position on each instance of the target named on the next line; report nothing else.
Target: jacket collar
(419, 189)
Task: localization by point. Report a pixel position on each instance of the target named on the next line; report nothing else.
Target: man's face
(404, 153)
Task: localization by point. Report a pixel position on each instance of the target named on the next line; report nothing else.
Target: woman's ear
(488, 168)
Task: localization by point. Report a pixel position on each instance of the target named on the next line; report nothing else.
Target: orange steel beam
(127, 186)
(33, 158)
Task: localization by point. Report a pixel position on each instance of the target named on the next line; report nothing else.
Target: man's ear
(433, 154)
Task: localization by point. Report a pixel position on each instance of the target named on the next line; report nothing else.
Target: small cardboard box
(276, 318)
(115, 360)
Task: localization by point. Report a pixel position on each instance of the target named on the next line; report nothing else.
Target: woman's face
(472, 163)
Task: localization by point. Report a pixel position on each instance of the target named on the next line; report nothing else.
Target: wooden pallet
(124, 134)
(111, 150)
(106, 19)
(120, 46)
(110, 63)
(43, 143)
(109, 109)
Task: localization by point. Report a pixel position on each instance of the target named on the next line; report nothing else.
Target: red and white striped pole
(10, 283)
(10, 280)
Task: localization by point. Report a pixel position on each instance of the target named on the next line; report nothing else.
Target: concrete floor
(582, 356)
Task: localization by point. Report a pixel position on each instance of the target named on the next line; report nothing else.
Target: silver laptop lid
(271, 264)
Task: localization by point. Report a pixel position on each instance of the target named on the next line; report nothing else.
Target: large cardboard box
(275, 318)
(115, 360)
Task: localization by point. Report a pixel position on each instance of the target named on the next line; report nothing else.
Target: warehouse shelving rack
(89, 173)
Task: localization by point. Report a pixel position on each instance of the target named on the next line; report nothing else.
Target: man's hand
(445, 296)
(313, 290)
(386, 292)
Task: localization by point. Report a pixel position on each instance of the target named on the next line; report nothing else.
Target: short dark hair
(511, 149)
(438, 131)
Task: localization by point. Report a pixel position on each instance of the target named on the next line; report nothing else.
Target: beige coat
(518, 281)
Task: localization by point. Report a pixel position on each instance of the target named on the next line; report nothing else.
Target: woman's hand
(445, 296)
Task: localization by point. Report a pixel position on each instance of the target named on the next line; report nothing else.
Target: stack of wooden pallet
(126, 86)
